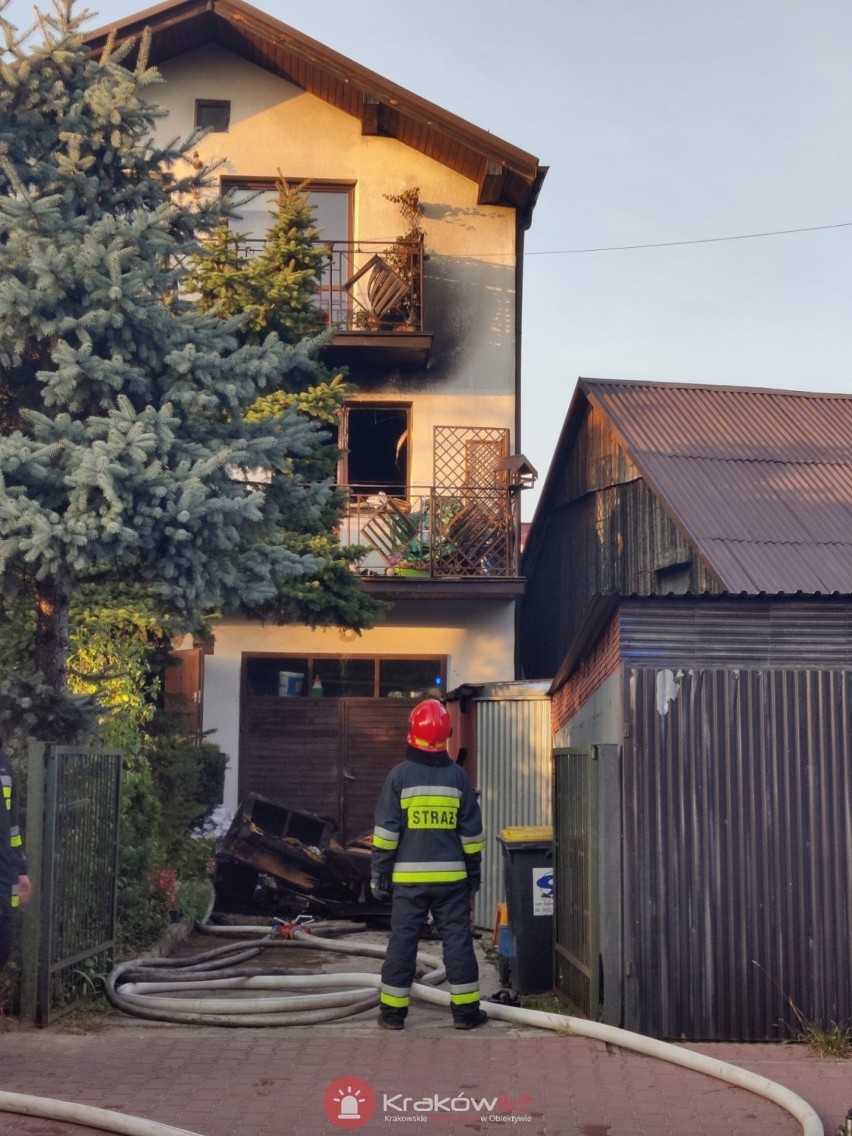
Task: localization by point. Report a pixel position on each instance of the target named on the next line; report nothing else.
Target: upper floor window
(375, 437)
(256, 200)
(213, 114)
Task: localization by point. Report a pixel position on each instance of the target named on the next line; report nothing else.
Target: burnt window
(375, 438)
(213, 114)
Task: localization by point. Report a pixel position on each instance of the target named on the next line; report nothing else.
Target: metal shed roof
(759, 480)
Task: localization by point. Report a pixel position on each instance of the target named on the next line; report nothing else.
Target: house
(315, 717)
(690, 595)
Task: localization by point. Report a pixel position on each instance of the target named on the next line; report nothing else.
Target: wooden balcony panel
(440, 533)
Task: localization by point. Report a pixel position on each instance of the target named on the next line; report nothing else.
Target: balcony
(462, 535)
(372, 293)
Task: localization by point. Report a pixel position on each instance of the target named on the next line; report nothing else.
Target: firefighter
(15, 886)
(427, 852)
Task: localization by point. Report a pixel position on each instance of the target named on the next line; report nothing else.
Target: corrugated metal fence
(514, 779)
(73, 813)
(575, 944)
(737, 852)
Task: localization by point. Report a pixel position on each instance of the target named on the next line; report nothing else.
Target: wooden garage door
(325, 756)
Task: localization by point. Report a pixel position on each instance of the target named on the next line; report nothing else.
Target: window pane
(256, 212)
(211, 114)
(331, 213)
(276, 675)
(411, 678)
(346, 678)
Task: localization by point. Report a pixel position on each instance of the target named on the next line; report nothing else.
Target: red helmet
(429, 726)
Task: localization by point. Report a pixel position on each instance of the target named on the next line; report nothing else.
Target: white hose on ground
(87, 1115)
(128, 988)
(362, 994)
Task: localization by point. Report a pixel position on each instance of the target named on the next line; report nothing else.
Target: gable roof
(759, 481)
(504, 174)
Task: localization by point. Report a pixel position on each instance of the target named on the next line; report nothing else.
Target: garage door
(325, 756)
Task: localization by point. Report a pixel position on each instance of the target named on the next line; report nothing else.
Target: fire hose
(87, 1115)
(136, 988)
(141, 988)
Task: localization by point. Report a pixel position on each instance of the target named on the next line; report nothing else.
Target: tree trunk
(51, 641)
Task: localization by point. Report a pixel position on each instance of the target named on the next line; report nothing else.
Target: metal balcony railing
(373, 285)
(366, 285)
(435, 532)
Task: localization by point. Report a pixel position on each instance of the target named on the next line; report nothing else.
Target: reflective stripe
(391, 1000)
(380, 842)
(16, 842)
(428, 792)
(464, 999)
(395, 991)
(472, 849)
(428, 877)
(474, 838)
(464, 988)
(429, 866)
(385, 833)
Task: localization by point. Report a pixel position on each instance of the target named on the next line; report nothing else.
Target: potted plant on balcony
(413, 559)
(404, 258)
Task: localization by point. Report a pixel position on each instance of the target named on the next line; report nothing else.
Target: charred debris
(276, 860)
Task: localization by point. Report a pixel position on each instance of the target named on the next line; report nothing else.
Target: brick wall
(594, 669)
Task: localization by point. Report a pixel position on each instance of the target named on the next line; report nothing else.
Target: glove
(380, 887)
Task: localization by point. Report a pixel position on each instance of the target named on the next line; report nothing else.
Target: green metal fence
(575, 867)
(72, 832)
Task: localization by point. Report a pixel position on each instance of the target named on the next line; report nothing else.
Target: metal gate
(73, 812)
(575, 868)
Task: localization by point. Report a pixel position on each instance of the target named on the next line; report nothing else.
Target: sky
(669, 124)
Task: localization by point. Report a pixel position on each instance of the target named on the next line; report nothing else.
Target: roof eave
(505, 175)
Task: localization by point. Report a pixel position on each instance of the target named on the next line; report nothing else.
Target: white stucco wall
(276, 128)
(477, 639)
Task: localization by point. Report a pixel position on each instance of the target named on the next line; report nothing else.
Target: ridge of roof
(506, 174)
(731, 388)
(764, 497)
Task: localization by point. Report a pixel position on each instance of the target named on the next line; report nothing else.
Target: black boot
(391, 1021)
(470, 1021)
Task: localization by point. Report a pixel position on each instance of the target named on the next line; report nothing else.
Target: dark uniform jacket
(12, 860)
(428, 823)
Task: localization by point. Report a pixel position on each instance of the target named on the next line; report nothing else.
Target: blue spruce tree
(125, 446)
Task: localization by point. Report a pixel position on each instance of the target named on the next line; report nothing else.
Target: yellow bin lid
(527, 832)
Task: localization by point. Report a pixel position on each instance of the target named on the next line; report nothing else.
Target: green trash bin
(528, 875)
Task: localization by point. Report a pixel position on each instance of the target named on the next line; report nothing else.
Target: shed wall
(738, 632)
(606, 532)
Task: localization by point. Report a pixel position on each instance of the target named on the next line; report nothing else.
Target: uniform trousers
(450, 907)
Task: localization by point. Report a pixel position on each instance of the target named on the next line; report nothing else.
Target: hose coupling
(285, 930)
